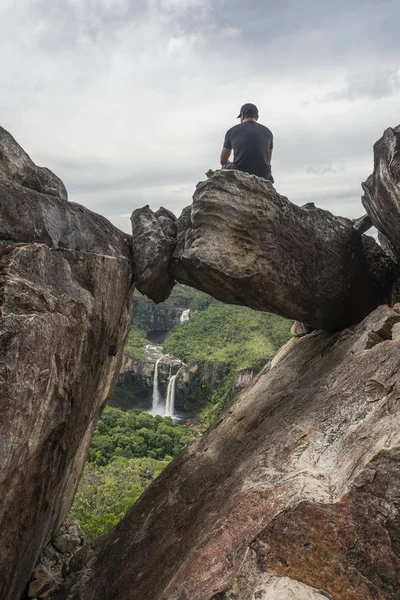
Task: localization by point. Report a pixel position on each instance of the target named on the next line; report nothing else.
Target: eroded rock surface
(17, 166)
(153, 242)
(53, 564)
(244, 243)
(301, 470)
(382, 190)
(65, 303)
(294, 491)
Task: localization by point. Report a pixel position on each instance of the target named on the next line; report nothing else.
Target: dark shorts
(231, 165)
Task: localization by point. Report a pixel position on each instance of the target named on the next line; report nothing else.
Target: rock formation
(294, 491)
(298, 478)
(54, 560)
(381, 197)
(65, 301)
(153, 240)
(244, 243)
(17, 166)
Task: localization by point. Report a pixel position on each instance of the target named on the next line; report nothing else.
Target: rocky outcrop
(244, 378)
(153, 241)
(297, 479)
(294, 490)
(158, 319)
(53, 564)
(65, 303)
(381, 191)
(244, 243)
(17, 166)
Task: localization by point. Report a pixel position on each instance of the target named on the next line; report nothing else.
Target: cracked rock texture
(244, 243)
(382, 191)
(300, 473)
(294, 491)
(153, 242)
(65, 301)
(17, 166)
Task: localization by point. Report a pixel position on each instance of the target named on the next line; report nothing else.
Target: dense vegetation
(106, 493)
(187, 297)
(217, 342)
(224, 339)
(128, 450)
(135, 434)
(234, 335)
(134, 347)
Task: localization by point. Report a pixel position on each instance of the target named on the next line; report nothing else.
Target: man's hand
(225, 154)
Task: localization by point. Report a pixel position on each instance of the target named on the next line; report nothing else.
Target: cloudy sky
(128, 101)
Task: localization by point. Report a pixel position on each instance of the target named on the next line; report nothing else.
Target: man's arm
(271, 146)
(225, 154)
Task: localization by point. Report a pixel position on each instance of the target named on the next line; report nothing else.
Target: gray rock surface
(247, 244)
(17, 166)
(294, 490)
(301, 469)
(382, 190)
(53, 564)
(152, 250)
(65, 304)
(244, 243)
(29, 217)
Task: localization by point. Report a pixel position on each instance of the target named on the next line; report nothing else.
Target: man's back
(250, 142)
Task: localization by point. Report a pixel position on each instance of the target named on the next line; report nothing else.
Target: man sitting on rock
(251, 143)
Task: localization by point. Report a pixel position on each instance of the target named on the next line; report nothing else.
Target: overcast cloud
(128, 101)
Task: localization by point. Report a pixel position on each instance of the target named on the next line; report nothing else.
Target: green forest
(128, 450)
(235, 335)
(225, 339)
(105, 494)
(130, 447)
(136, 434)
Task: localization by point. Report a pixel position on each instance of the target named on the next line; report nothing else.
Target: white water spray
(185, 316)
(155, 408)
(170, 401)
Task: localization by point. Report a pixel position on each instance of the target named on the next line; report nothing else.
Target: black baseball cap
(248, 108)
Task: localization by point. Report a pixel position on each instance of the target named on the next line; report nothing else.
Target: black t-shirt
(250, 142)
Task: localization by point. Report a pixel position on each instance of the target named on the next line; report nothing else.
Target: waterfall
(170, 401)
(185, 316)
(156, 391)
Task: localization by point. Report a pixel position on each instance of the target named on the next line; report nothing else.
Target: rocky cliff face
(244, 243)
(294, 491)
(65, 299)
(158, 319)
(193, 388)
(139, 374)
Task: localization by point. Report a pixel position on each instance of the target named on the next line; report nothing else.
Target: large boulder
(153, 242)
(65, 307)
(244, 243)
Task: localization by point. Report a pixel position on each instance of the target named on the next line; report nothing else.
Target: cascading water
(155, 408)
(185, 316)
(170, 401)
